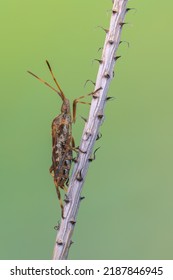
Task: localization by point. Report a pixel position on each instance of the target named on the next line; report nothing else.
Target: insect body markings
(62, 139)
(61, 151)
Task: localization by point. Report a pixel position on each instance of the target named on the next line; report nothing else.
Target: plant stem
(91, 130)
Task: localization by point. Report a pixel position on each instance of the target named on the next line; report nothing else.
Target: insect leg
(73, 148)
(59, 197)
(51, 170)
(72, 142)
(77, 150)
(67, 182)
(64, 187)
(77, 100)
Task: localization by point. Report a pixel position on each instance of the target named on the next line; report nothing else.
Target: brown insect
(62, 140)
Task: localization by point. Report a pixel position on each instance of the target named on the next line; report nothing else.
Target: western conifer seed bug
(62, 140)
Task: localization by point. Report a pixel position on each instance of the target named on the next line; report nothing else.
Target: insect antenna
(44, 82)
(51, 72)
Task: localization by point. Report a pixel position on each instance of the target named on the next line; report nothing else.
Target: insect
(62, 140)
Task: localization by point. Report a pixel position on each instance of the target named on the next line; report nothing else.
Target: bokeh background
(127, 213)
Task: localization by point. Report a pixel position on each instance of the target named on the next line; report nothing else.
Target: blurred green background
(127, 213)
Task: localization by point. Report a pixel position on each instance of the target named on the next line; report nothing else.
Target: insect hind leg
(59, 198)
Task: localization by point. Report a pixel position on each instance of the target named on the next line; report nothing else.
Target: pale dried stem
(91, 129)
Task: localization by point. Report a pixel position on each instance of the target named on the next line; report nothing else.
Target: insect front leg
(75, 149)
(77, 100)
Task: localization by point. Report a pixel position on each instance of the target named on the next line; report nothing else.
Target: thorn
(110, 98)
(79, 176)
(81, 150)
(111, 41)
(99, 60)
(71, 242)
(82, 197)
(128, 44)
(117, 57)
(66, 199)
(101, 48)
(114, 11)
(94, 155)
(59, 241)
(100, 115)
(84, 119)
(95, 96)
(99, 135)
(72, 221)
(88, 135)
(122, 24)
(89, 81)
(130, 9)
(57, 226)
(113, 74)
(96, 93)
(106, 30)
(106, 75)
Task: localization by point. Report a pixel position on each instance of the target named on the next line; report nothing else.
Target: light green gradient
(127, 213)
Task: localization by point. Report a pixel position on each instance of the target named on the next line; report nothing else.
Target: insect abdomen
(61, 148)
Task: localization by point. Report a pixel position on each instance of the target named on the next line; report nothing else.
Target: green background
(127, 213)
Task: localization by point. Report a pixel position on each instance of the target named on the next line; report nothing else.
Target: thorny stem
(91, 129)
